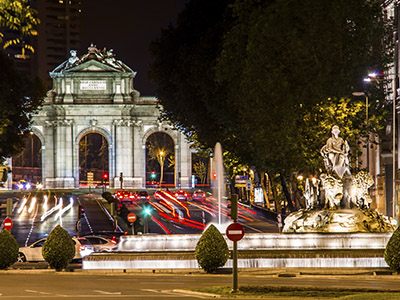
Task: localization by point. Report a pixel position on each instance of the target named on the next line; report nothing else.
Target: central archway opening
(93, 159)
(160, 161)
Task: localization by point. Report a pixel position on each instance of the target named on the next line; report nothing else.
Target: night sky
(128, 27)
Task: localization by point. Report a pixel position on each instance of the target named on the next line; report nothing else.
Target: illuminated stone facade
(94, 93)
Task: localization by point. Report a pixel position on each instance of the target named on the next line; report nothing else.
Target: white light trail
(32, 206)
(46, 199)
(51, 211)
(21, 207)
(62, 211)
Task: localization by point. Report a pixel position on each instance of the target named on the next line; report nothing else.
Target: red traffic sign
(131, 217)
(8, 224)
(235, 232)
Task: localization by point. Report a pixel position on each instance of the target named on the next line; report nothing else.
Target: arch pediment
(93, 66)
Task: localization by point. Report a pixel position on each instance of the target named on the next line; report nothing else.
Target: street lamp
(357, 94)
(161, 161)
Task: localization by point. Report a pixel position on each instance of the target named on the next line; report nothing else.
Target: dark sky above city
(128, 27)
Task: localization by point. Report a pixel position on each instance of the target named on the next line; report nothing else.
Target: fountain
(219, 185)
(338, 202)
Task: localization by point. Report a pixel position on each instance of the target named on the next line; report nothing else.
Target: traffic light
(233, 206)
(147, 209)
(105, 177)
(153, 175)
(81, 211)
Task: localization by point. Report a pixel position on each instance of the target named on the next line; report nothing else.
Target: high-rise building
(59, 32)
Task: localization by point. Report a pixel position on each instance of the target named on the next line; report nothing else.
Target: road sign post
(8, 224)
(235, 233)
(131, 219)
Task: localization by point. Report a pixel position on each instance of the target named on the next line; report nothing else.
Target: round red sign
(235, 232)
(8, 224)
(131, 217)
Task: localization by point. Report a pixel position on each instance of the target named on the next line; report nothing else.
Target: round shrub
(211, 250)
(58, 249)
(8, 249)
(392, 251)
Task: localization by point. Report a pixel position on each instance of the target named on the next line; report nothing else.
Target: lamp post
(366, 120)
(373, 77)
(161, 161)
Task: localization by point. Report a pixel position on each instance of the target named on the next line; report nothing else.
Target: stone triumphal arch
(94, 93)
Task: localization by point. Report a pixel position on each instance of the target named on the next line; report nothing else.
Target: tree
(20, 20)
(20, 98)
(58, 249)
(392, 251)
(211, 250)
(8, 249)
(250, 75)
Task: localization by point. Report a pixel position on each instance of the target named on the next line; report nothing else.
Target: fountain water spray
(219, 186)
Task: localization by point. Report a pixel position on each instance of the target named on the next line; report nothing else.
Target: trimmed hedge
(58, 249)
(8, 249)
(392, 251)
(211, 250)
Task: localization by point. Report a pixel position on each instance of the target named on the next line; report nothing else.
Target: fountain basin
(255, 251)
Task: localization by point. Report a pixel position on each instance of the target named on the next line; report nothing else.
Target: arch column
(123, 159)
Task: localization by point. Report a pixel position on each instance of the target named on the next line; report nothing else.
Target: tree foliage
(253, 74)
(58, 249)
(8, 249)
(211, 250)
(20, 19)
(392, 251)
(20, 98)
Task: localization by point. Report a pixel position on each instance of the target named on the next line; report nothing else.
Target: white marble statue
(335, 154)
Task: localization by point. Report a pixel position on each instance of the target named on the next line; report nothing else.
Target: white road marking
(107, 293)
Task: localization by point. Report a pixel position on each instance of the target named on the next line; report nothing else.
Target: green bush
(211, 250)
(8, 249)
(58, 249)
(392, 251)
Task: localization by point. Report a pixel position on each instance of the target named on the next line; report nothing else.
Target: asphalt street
(48, 284)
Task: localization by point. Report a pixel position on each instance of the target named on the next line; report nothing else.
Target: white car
(98, 243)
(34, 251)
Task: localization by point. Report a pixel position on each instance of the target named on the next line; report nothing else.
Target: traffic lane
(95, 219)
(79, 285)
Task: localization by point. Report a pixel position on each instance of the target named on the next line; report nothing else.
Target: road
(52, 285)
(36, 213)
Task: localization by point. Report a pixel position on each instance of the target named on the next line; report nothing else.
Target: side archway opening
(160, 161)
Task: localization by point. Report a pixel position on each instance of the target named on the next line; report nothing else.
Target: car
(125, 196)
(182, 195)
(33, 253)
(98, 243)
(199, 195)
(142, 196)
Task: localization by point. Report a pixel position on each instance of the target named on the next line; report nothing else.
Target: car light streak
(161, 225)
(62, 211)
(32, 206)
(51, 211)
(248, 210)
(184, 221)
(21, 207)
(46, 199)
(203, 208)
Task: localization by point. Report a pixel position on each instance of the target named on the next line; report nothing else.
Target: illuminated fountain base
(338, 221)
(360, 250)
